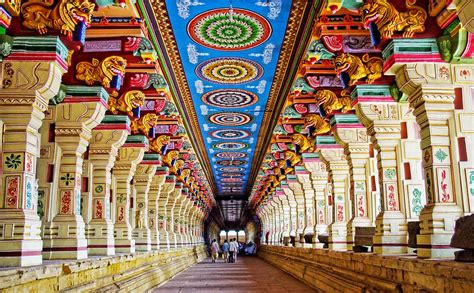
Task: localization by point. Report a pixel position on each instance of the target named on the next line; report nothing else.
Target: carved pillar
(336, 162)
(130, 155)
(75, 119)
(285, 210)
(156, 188)
(178, 216)
(106, 139)
(319, 178)
(352, 136)
(431, 95)
(304, 178)
(23, 100)
(142, 181)
(173, 212)
(163, 211)
(298, 192)
(381, 116)
(293, 209)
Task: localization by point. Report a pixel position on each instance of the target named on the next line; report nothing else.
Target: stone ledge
(138, 271)
(330, 270)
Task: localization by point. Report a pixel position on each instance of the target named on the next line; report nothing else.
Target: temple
(337, 135)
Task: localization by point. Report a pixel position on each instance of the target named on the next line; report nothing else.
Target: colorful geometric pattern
(230, 134)
(231, 98)
(222, 29)
(231, 169)
(232, 174)
(231, 155)
(229, 51)
(230, 146)
(229, 70)
(231, 163)
(230, 119)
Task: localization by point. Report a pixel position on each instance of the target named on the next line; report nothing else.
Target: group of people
(229, 250)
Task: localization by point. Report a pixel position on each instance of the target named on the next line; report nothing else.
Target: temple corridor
(249, 274)
(334, 136)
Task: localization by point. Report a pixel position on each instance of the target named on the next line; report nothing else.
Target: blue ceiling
(229, 57)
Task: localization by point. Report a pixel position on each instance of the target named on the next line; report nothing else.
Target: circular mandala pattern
(221, 29)
(230, 119)
(230, 163)
(231, 155)
(232, 175)
(231, 169)
(229, 70)
(231, 180)
(230, 146)
(231, 98)
(230, 134)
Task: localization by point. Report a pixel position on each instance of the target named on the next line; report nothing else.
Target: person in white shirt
(235, 250)
(214, 250)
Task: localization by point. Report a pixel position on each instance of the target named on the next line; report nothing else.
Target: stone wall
(121, 273)
(338, 271)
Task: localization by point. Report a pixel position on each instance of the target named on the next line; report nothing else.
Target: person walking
(231, 251)
(236, 251)
(225, 249)
(214, 250)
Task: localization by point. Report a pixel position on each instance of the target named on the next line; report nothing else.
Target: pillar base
(338, 236)
(20, 252)
(124, 245)
(142, 239)
(100, 238)
(391, 235)
(437, 228)
(351, 225)
(164, 240)
(64, 238)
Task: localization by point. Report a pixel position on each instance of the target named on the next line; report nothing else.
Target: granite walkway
(249, 274)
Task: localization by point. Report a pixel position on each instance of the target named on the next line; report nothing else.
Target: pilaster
(304, 178)
(298, 193)
(164, 213)
(156, 189)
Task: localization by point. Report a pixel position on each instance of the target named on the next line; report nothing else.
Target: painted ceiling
(229, 52)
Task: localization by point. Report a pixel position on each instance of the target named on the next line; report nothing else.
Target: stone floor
(249, 274)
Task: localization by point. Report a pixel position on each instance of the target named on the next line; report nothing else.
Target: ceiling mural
(229, 52)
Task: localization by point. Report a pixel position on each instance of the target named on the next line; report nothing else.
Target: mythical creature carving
(317, 51)
(184, 175)
(144, 123)
(64, 16)
(177, 166)
(282, 165)
(303, 142)
(330, 102)
(320, 125)
(389, 20)
(157, 144)
(170, 157)
(127, 102)
(101, 71)
(369, 68)
(273, 180)
(292, 157)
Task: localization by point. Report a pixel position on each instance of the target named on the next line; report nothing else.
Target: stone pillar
(106, 139)
(142, 181)
(319, 178)
(380, 114)
(163, 211)
(352, 136)
(298, 192)
(130, 155)
(431, 95)
(156, 188)
(23, 101)
(304, 178)
(75, 119)
(293, 209)
(173, 212)
(285, 211)
(336, 162)
(178, 218)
